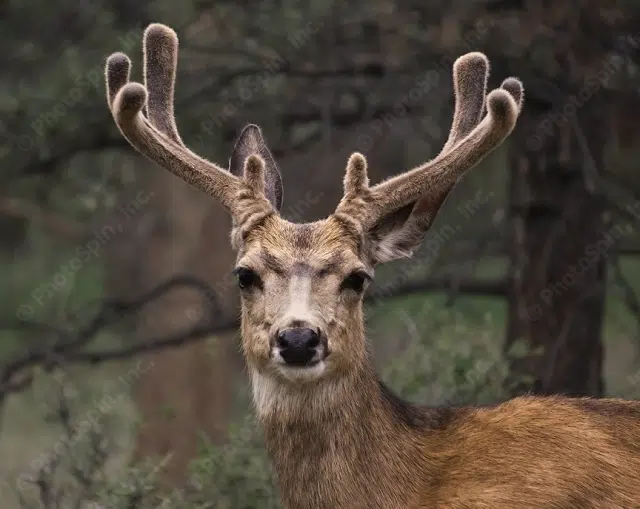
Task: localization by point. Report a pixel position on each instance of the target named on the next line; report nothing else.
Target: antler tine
(470, 73)
(466, 147)
(157, 138)
(515, 88)
(117, 73)
(160, 62)
(354, 201)
(356, 179)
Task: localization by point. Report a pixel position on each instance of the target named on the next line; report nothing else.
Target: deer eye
(355, 281)
(247, 278)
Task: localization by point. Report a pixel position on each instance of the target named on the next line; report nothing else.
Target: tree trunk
(188, 390)
(559, 245)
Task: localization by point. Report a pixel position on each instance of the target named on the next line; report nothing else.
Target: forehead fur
(320, 240)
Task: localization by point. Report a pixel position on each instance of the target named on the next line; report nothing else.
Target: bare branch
(64, 226)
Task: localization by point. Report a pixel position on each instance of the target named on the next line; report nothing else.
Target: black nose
(298, 345)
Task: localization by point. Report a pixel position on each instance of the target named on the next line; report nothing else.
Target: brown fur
(345, 441)
(338, 438)
(375, 451)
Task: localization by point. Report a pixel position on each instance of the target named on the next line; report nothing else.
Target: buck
(337, 436)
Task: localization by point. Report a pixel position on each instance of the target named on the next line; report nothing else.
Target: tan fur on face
(302, 267)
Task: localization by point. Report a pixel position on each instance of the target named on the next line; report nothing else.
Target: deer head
(302, 284)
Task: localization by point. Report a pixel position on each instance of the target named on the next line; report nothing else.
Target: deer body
(337, 437)
(374, 450)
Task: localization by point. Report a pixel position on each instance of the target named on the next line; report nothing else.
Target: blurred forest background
(121, 381)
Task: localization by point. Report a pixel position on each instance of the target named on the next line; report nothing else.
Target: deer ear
(250, 142)
(398, 234)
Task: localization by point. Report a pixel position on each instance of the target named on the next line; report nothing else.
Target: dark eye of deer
(247, 278)
(354, 281)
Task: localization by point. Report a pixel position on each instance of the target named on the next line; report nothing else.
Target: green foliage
(234, 476)
(453, 355)
(237, 475)
(69, 473)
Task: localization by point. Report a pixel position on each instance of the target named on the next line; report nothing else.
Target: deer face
(302, 285)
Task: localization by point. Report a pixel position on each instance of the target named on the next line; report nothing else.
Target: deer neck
(346, 443)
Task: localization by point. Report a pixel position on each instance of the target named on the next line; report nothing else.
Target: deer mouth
(309, 372)
(288, 361)
(305, 370)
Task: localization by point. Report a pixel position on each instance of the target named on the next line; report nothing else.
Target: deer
(336, 435)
